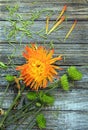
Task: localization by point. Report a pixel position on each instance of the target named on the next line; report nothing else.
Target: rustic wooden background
(70, 111)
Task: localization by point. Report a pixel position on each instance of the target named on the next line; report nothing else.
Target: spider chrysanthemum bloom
(39, 68)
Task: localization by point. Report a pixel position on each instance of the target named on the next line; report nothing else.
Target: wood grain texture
(75, 54)
(70, 110)
(67, 120)
(74, 10)
(73, 100)
(79, 34)
(77, 84)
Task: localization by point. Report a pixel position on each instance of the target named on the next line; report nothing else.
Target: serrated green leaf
(31, 95)
(46, 99)
(41, 121)
(64, 82)
(74, 73)
(9, 78)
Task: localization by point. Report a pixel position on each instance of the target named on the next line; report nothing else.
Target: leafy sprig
(74, 73)
(41, 121)
(64, 82)
(3, 66)
(38, 100)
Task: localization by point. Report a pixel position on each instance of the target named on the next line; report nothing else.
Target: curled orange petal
(17, 82)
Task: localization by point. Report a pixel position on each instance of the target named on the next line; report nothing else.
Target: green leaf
(38, 104)
(46, 99)
(2, 65)
(31, 95)
(41, 121)
(64, 82)
(74, 73)
(9, 78)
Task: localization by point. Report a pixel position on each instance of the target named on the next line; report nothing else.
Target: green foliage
(41, 121)
(13, 9)
(21, 27)
(74, 73)
(2, 65)
(31, 95)
(9, 78)
(46, 99)
(64, 82)
(38, 104)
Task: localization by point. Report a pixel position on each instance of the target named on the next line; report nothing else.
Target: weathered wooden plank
(75, 10)
(79, 35)
(70, 110)
(45, 1)
(74, 100)
(63, 120)
(75, 54)
(78, 84)
(63, 1)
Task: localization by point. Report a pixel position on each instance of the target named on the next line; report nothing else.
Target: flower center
(38, 66)
(37, 69)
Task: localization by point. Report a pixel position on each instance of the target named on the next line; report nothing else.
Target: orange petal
(32, 84)
(17, 82)
(71, 29)
(55, 59)
(50, 54)
(44, 83)
(50, 78)
(54, 71)
(47, 24)
(57, 24)
(62, 12)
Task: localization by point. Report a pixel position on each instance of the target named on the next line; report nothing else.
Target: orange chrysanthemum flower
(39, 68)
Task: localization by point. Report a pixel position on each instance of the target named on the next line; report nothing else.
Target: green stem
(17, 97)
(19, 117)
(4, 95)
(24, 118)
(53, 86)
(32, 120)
(20, 112)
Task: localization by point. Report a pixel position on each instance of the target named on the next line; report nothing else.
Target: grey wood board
(73, 100)
(77, 84)
(67, 120)
(74, 10)
(70, 111)
(63, 1)
(79, 34)
(74, 54)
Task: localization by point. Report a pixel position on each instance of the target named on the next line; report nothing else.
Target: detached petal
(57, 24)
(71, 29)
(62, 12)
(47, 24)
